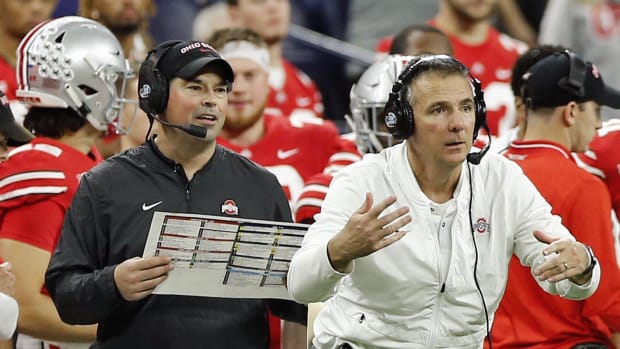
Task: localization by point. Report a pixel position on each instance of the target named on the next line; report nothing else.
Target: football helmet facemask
(368, 98)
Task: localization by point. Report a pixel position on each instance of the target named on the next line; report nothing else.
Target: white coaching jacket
(396, 297)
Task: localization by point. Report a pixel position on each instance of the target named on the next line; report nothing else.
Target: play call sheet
(223, 257)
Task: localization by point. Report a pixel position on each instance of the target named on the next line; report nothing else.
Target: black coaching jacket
(108, 222)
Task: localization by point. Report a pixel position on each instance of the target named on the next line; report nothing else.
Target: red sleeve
(590, 223)
(344, 153)
(37, 224)
(309, 202)
(604, 160)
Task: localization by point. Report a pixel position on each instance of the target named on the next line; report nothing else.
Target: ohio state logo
(230, 208)
(194, 45)
(391, 120)
(481, 226)
(145, 91)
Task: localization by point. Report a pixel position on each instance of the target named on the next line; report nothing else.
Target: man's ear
(568, 114)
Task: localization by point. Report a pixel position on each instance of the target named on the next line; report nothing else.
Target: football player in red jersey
(292, 148)
(488, 53)
(73, 96)
(11, 134)
(292, 92)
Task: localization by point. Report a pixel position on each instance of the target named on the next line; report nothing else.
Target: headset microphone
(475, 158)
(192, 130)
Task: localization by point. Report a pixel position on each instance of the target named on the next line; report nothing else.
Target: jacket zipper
(435, 323)
(440, 296)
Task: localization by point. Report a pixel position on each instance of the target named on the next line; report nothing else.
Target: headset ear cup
(145, 86)
(397, 117)
(159, 98)
(405, 122)
(153, 89)
(152, 84)
(480, 105)
(481, 115)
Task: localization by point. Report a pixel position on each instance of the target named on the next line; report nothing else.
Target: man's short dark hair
(400, 42)
(436, 64)
(53, 122)
(220, 37)
(232, 2)
(526, 61)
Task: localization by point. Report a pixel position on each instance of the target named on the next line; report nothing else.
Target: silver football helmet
(368, 97)
(74, 62)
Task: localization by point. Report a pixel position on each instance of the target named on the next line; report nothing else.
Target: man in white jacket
(426, 266)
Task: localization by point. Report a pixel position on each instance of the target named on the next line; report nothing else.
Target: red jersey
(528, 317)
(37, 184)
(297, 95)
(491, 62)
(8, 79)
(603, 159)
(294, 150)
(312, 197)
(313, 194)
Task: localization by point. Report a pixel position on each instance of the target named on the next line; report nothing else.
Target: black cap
(564, 77)
(187, 59)
(14, 133)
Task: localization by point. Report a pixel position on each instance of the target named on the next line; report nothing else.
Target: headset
(398, 113)
(574, 83)
(154, 89)
(155, 100)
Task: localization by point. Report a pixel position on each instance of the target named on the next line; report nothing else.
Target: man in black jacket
(97, 275)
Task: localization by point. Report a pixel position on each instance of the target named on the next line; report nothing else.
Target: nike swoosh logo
(146, 207)
(284, 154)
